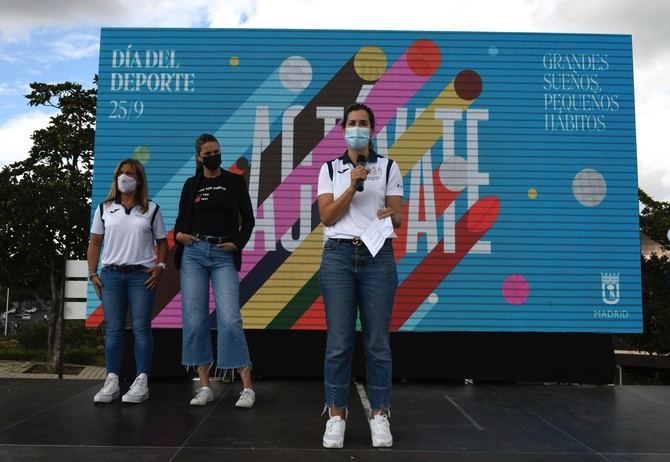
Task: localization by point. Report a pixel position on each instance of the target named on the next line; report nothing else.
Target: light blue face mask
(357, 137)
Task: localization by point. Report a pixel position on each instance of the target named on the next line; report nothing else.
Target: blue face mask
(357, 137)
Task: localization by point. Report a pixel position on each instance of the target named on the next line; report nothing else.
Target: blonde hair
(141, 190)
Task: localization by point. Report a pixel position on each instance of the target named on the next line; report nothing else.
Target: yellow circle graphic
(370, 63)
(532, 193)
(142, 154)
(234, 61)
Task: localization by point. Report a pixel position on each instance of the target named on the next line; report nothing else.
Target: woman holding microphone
(355, 189)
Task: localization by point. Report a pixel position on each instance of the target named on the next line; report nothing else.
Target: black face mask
(211, 163)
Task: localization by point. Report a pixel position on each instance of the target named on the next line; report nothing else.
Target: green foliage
(655, 219)
(18, 353)
(34, 336)
(78, 336)
(654, 222)
(90, 356)
(656, 307)
(645, 376)
(45, 199)
(82, 345)
(10, 349)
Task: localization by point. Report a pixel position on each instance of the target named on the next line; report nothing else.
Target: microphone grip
(360, 162)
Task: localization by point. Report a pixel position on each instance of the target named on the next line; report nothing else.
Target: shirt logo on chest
(375, 173)
(205, 194)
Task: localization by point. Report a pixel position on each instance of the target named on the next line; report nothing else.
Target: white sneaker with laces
(333, 437)
(247, 398)
(139, 390)
(202, 397)
(380, 430)
(109, 391)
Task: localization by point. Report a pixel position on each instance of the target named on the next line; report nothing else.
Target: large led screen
(517, 153)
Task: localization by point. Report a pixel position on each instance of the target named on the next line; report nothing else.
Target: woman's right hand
(358, 174)
(97, 284)
(185, 239)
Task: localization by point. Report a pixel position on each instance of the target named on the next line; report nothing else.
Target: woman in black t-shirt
(214, 224)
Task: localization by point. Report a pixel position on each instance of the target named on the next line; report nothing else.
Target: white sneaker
(380, 430)
(247, 398)
(333, 437)
(202, 397)
(139, 390)
(109, 391)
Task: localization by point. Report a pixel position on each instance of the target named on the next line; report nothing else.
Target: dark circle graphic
(468, 85)
(242, 163)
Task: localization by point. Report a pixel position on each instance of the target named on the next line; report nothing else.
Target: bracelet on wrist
(93, 275)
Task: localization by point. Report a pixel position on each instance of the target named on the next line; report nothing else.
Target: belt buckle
(357, 242)
(206, 238)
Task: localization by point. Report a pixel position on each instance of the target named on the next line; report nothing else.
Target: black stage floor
(57, 420)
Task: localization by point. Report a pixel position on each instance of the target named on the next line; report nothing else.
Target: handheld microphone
(360, 161)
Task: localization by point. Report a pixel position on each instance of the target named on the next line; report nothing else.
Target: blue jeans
(122, 292)
(201, 263)
(351, 281)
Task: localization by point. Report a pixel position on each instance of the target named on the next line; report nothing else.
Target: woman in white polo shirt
(355, 189)
(130, 224)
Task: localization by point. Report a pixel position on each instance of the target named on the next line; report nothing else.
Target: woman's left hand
(228, 247)
(155, 277)
(385, 212)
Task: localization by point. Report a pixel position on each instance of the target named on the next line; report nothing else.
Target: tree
(45, 200)
(656, 303)
(655, 219)
(654, 222)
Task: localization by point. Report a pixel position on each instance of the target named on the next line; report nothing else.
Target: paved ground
(21, 370)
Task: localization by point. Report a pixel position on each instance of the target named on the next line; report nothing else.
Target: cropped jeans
(352, 281)
(201, 264)
(122, 292)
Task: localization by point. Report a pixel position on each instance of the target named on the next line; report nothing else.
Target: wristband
(91, 276)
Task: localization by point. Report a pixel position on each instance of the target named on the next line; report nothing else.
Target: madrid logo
(610, 288)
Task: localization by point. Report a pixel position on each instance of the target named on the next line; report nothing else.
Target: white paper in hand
(376, 234)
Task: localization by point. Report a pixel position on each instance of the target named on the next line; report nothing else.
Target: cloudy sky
(49, 41)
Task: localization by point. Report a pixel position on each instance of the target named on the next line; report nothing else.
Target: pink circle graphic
(515, 289)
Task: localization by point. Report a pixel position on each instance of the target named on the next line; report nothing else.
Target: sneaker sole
(106, 400)
(135, 400)
(333, 445)
(192, 403)
(244, 406)
(382, 444)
